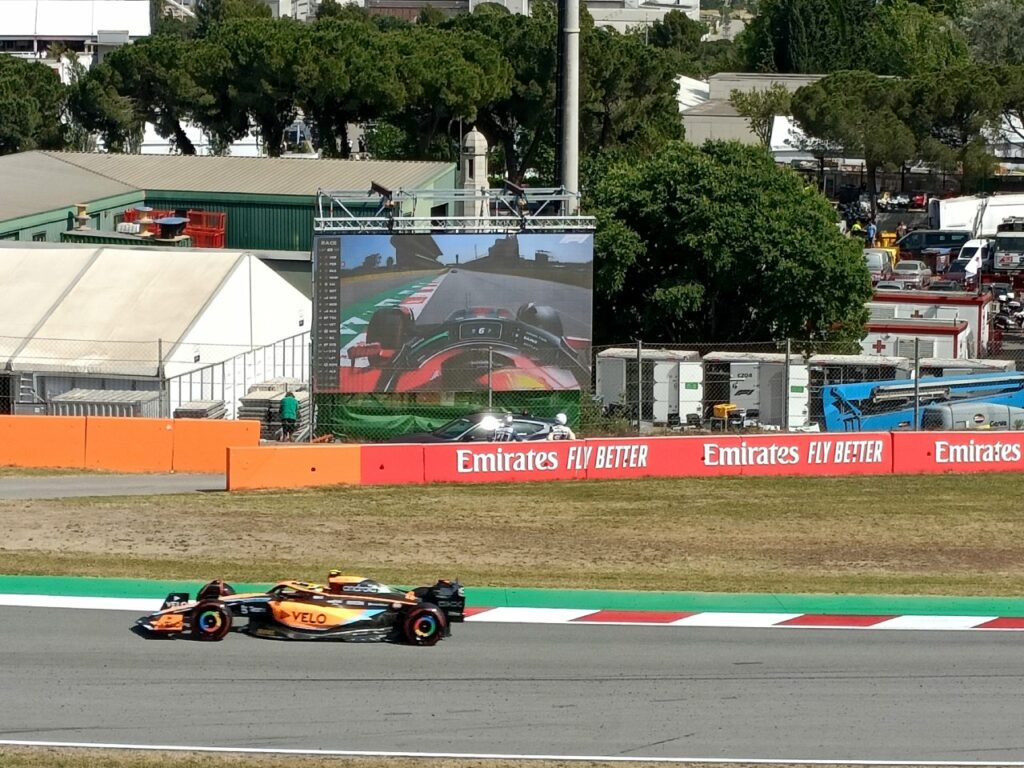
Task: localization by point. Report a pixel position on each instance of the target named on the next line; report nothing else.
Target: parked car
(957, 273)
(944, 285)
(913, 274)
(879, 263)
(480, 427)
(888, 285)
(935, 247)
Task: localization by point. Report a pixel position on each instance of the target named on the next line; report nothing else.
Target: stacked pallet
(263, 403)
(201, 409)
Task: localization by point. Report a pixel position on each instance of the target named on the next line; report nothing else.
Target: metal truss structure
(507, 210)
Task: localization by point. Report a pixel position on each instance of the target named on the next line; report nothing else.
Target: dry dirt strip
(591, 617)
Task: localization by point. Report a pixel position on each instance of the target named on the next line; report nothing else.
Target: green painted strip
(581, 599)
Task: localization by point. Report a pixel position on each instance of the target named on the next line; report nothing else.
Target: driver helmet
(508, 419)
(561, 419)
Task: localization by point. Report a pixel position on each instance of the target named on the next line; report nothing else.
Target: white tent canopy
(122, 311)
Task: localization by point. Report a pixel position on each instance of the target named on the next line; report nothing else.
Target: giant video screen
(453, 312)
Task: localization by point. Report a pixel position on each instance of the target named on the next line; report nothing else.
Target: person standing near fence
(560, 430)
(289, 416)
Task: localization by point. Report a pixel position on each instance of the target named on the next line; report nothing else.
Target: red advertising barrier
(502, 462)
(976, 451)
(781, 454)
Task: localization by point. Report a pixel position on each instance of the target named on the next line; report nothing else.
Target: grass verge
(938, 535)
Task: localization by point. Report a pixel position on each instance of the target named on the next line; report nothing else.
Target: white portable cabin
(938, 366)
(670, 382)
(756, 381)
(937, 338)
(975, 309)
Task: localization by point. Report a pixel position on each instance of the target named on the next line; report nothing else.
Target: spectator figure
(560, 431)
(857, 230)
(289, 416)
(901, 230)
(872, 233)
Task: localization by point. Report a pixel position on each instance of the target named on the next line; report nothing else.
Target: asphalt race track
(81, 676)
(466, 288)
(67, 486)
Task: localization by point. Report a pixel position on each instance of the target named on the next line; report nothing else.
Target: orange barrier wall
(293, 466)
(42, 441)
(391, 464)
(128, 445)
(201, 445)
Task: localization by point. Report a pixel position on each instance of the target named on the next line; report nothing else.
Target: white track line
(495, 756)
(563, 616)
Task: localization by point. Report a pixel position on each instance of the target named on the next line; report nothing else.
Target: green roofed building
(268, 202)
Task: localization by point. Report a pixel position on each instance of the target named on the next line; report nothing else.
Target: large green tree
(760, 107)
(955, 110)
(248, 71)
(157, 73)
(806, 36)
(863, 114)
(31, 106)
(628, 93)
(448, 76)
(995, 31)
(348, 72)
(97, 107)
(522, 123)
(717, 243)
(907, 39)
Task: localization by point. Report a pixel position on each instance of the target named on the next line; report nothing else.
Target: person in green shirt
(289, 416)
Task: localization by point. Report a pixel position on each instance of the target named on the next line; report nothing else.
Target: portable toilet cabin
(669, 383)
(825, 370)
(756, 383)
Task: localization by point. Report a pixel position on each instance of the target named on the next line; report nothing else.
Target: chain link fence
(624, 389)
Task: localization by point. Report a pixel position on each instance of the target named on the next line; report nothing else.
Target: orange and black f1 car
(348, 608)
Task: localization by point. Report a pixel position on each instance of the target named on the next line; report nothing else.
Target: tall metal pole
(917, 383)
(785, 401)
(639, 385)
(570, 171)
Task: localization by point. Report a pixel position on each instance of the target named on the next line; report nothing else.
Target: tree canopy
(31, 106)
(717, 243)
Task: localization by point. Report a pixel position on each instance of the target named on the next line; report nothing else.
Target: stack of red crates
(206, 228)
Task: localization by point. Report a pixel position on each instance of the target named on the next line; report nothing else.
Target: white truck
(979, 215)
(997, 219)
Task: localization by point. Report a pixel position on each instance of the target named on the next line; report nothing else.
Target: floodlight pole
(570, 106)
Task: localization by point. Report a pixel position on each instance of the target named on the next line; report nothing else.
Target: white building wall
(72, 19)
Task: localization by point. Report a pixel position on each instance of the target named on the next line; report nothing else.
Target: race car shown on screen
(348, 608)
(473, 349)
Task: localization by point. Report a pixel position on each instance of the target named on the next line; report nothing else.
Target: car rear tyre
(423, 625)
(211, 621)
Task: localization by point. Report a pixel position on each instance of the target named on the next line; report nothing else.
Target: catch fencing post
(917, 382)
(785, 393)
(165, 405)
(490, 389)
(639, 385)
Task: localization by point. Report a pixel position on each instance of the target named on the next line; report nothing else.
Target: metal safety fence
(636, 387)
